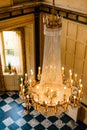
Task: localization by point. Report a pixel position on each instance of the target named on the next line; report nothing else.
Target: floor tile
(26, 127)
(2, 103)
(13, 126)
(13, 116)
(46, 123)
(65, 127)
(39, 127)
(2, 126)
(53, 118)
(8, 121)
(20, 122)
(28, 117)
(33, 122)
(8, 100)
(65, 118)
(40, 118)
(6, 108)
(4, 96)
(53, 127)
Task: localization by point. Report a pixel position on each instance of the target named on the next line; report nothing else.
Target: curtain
(11, 41)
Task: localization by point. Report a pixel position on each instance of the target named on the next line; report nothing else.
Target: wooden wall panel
(63, 42)
(63, 57)
(69, 60)
(30, 48)
(80, 50)
(85, 68)
(82, 33)
(5, 3)
(78, 66)
(71, 32)
(74, 51)
(70, 46)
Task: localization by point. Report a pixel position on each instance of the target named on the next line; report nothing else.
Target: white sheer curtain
(18, 52)
(11, 41)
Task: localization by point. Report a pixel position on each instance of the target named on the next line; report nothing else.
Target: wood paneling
(74, 50)
(5, 3)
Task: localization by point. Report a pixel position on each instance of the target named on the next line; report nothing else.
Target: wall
(74, 51)
(30, 48)
(5, 3)
(24, 22)
(76, 4)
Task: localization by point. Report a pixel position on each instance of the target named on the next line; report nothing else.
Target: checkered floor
(14, 117)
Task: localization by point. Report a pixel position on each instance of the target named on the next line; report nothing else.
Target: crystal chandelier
(52, 93)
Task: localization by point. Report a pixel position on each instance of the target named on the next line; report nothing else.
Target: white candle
(31, 72)
(74, 100)
(65, 90)
(26, 77)
(27, 96)
(62, 71)
(70, 71)
(21, 80)
(81, 86)
(70, 75)
(51, 90)
(75, 77)
(37, 87)
(80, 81)
(39, 69)
(71, 82)
(79, 94)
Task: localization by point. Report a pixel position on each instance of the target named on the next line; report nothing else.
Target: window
(11, 51)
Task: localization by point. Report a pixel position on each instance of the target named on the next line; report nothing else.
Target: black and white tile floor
(14, 117)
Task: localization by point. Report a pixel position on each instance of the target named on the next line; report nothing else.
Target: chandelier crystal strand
(52, 93)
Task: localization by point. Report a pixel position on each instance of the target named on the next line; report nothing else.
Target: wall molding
(33, 7)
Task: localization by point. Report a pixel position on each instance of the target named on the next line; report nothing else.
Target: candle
(70, 75)
(80, 81)
(37, 87)
(79, 94)
(27, 96)
(39, 69)
(64, 89)
(31, 72)
(66, 105)
(21, 87)
(56, 107)
(22, 80)
(62, 71)
(71, 82)
(51, 90)
(81, 86)
(26, 77)
(74, 100)
(70, 71)
(46, 107)
(75, 77)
